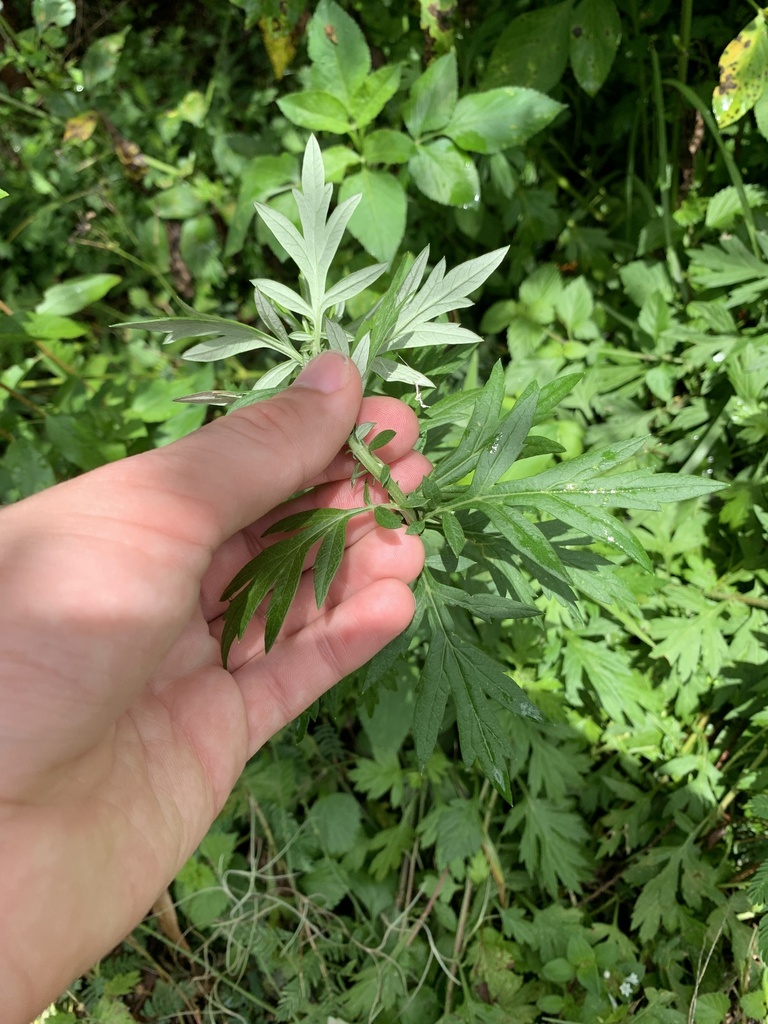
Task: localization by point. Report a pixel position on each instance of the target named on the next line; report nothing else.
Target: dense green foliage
(344, 880)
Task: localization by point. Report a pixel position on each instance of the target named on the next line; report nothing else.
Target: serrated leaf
(445, 173)
(379, 220)
(432, 97)
(484, 605)
(316, 110)
(478, 432)
(553, 843)
(339, 53)
(374, 94)
(488, 122)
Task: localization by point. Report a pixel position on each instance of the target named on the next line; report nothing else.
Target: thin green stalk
(686, 17)
(733, 171)
(381, 473)
(665, 173)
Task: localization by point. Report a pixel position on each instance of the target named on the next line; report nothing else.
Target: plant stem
(381, 473)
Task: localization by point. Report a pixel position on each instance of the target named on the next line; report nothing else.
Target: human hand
(121, 734)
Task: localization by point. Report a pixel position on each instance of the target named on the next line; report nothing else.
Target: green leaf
(280, 566)
(478, 433)
(453, 532)
(553, 843)
(53, 12)
(387, 147)
(487, 122)
(353, 284)
(532, 50)
(336, 818)
(101, 59)
(507, 443)
(381, 439)
(621, 692)
(574, 307)
(328, 559)
(432, 97)
(526, 539)
(75, 294)
(339, 53)
(373, 95)
(443, 173)
(319, 111)
(455, 829)
(387, 518)
(595, 37)
(484, 605)
(263, 176)
(378, 222)
(743, 73)
(337, 160)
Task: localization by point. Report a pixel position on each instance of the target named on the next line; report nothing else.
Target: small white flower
(633, 979)
(606, 974)
(626, 989)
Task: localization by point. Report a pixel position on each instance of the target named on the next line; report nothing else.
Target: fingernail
(327, 372)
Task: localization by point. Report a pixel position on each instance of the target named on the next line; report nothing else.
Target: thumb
(242, 465)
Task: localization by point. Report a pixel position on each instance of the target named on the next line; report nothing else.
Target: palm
(144, 731)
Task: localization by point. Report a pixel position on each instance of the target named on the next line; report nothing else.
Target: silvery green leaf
(434, 334)
(177, 328)
(283, 296)
(337, 337)
(445, 292)
(388, 369)
(252, 397)
(414, 276)
(332, 232)
(353, 284)
(270, 317)
(288, 236)
(362, 354)
(210, 398)
(362, 430)
(272, 378)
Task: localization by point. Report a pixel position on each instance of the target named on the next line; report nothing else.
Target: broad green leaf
(336, 819)
(574, 307)
(743, 73)
(51, 326)
(487, 122)
(379, 220)
(374, 93)
(532, 50)
(595, 37)
(387, 147)
(75, 294)
(264, 176)
(339, 53)
(179, 202)
(53, 12)
(337, 160)
(432, 98)
(506, 445)
(443, 173)
(316, 110)
(724, 208)
(101, 59)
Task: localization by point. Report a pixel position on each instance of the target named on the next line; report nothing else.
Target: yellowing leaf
(81, 127)
(743, 73)
(279, 43)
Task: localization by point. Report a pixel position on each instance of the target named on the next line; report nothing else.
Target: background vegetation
(341, 883)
